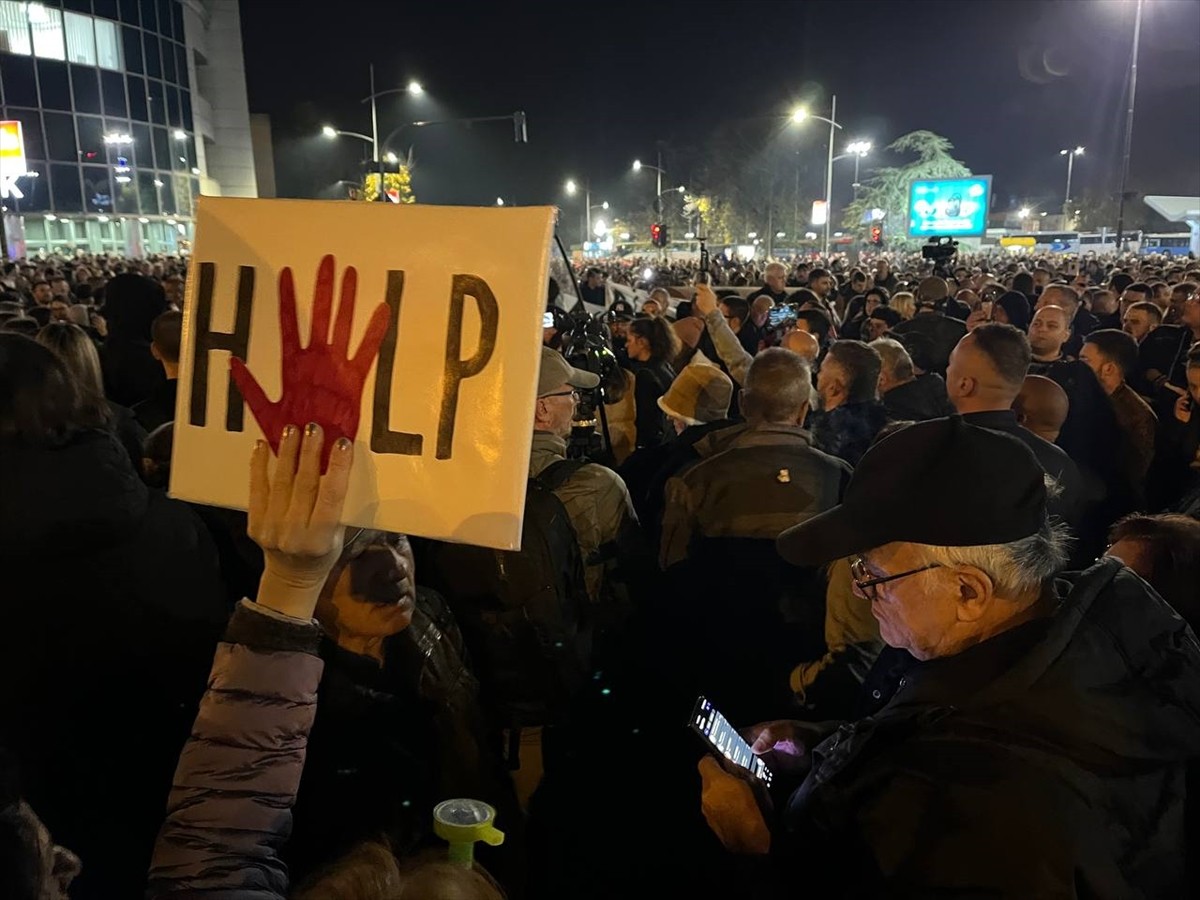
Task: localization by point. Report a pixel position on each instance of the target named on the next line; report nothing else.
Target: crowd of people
(926, 532)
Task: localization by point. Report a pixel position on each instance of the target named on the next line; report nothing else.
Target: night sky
(1009, 83)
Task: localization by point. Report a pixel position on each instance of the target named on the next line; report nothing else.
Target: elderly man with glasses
(1028, 734)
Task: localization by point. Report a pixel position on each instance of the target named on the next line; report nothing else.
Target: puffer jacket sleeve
(229, 811)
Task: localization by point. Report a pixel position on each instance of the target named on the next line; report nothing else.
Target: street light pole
(658, 188)
(1137, 37)
(829, 177)
(377, 156)
(1070, 155)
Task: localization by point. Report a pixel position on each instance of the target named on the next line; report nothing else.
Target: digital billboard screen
(951, 206)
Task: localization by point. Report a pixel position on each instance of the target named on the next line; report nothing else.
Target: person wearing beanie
(943, 330)
(696, 405)
(698, 395)
(1012, 308)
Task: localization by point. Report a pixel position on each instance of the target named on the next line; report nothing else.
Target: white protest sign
(303, 292)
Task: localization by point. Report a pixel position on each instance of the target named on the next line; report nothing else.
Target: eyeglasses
(572, 394)
(866, 584)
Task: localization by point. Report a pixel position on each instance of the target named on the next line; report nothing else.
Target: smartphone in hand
(725, 742)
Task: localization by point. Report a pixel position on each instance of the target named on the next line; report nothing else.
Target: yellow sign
(430, 365)
(1017, 242)
(12, 150)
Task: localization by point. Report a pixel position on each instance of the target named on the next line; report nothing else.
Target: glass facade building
(104, 96)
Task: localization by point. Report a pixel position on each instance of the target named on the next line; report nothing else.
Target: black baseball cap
(907, 488)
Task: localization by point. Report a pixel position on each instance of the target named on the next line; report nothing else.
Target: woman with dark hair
(651, 345)
(112, 606)
(132, 303)
(75, 348)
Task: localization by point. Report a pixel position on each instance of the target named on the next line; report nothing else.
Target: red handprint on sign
(321, 383)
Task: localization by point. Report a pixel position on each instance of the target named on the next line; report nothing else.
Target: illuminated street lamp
(572, 188)
(803, 115)
(857, 149)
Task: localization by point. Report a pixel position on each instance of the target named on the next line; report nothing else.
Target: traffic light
(658, 235)
(877, 235)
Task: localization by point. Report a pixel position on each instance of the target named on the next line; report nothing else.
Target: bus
(1042, 241)
(1166, 244)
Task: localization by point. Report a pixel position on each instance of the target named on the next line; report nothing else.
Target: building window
(149, 187)
(143, 152)
(132, 41)
(108, 47)
(168, 50)
(81, 39)
(137, 99)
(87, 89)
(97, 189)
(91, 138)
(60, 137)
(47, 26)
(65, 188)
(149, 17)
(55, 84)
(112, 88)
(14, 28)
(157, 101)
(153, 59)
(166, 24)
(20, 85)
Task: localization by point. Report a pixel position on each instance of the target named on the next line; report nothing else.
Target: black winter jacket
(918, 400)
(1049, 761)
(112, 607)
(848, 431)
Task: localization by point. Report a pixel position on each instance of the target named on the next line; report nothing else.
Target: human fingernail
(343, 444)
(289, 431)
(310, 429)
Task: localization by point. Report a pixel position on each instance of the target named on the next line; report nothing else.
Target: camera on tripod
(939, 248)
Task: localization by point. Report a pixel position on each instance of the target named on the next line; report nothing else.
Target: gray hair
(896, 360)
(1016, 568)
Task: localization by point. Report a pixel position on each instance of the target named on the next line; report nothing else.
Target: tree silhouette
(888, 188)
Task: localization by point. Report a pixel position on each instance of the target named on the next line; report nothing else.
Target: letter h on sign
(206, 340)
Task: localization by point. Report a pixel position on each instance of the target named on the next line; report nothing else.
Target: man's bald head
(1042, 406)
(802, 344)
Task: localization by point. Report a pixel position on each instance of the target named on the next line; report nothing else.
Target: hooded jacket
(1049, 761)
(132, 303)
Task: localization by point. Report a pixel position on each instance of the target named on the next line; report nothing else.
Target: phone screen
(725, 741)
(548, 320)
(779, 314)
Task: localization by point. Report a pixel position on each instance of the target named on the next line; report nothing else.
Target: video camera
(586, 344)
(941, 249)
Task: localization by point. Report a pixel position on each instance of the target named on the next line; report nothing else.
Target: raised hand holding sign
(322, 384)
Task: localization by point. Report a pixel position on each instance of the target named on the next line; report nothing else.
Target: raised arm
(229, 811)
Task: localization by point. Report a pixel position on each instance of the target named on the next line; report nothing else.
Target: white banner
(430, 365)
